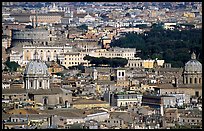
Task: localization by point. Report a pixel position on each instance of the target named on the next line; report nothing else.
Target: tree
(12, 65)
(113, 62)
(76, 126)
(83, 27)
(171, 45)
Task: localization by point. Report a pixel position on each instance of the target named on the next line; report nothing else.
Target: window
(123, 73)
(40, 84)
(196, 93)
(31, 84)
(195, 81)
(186, 80)
(190, 80)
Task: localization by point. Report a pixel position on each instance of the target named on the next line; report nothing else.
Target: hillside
(174, 47)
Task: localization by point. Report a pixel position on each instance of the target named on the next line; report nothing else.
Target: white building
(46, 53)
(127, 99)
(5, 85)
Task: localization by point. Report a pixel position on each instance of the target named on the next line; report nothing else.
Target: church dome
(193, 65)
(36, 67)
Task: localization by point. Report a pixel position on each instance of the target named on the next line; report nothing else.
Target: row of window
(127, 97)
(73, 58)
(121, 74)
(31, 83)
(108, 121)
(195, 80)
(126, 103)
(192, 120)
(45, 51)
(135, 64)
(72, 63)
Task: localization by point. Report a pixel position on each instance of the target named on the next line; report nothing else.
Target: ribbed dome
(36, 67)
(193, 65)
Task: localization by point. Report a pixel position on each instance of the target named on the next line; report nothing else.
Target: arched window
(40, 84)
(186, 80)
(123, 73)
(195, 81)
(190, 80)
(45, 100)
(199, 80)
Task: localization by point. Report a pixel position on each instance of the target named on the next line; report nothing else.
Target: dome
(36, 67)
(193, 65)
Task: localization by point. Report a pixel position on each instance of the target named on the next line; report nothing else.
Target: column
(193, 80)
(37, 84)
(44, 55)
(48, 84)
(31, 55)
(43, 84)
(34, 83)
(188, 80)
(28, 84)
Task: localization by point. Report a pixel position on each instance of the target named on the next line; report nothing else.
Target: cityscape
(101, 65)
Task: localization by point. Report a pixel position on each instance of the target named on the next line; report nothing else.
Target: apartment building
(74, 59)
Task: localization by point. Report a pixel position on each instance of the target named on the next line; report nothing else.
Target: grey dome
(193, 66)
(36, 67)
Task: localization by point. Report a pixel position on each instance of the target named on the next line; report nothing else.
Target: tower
(120, 74)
